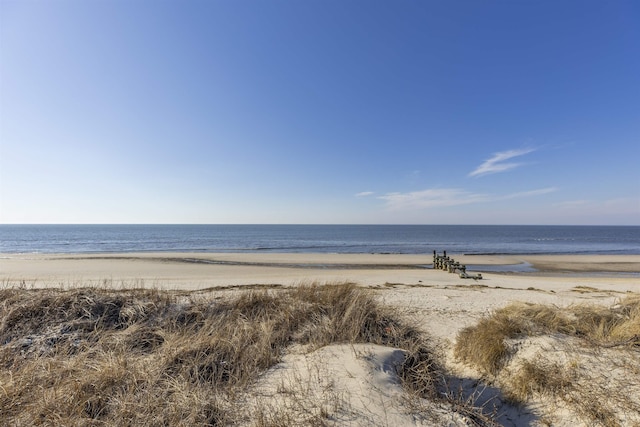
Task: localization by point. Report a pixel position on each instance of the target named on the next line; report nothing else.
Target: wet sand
(198, 270)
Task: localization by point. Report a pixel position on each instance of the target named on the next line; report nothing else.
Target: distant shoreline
(196, 269)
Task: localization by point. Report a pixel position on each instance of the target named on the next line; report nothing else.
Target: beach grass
(108, 355)
(104, 356)
(585, 357)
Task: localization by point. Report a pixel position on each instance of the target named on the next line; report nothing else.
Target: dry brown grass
(484, 345)
(540, 377)
(585, 358)
(91, 356)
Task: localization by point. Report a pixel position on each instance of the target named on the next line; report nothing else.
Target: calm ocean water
(403, 239)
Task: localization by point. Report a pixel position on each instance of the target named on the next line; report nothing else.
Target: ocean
(395, 239)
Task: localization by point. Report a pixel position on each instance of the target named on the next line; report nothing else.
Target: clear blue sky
(332, 111)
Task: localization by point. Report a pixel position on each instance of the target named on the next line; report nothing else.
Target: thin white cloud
(444, 197)
(431, 198)
(365, 194)
(530, 193)
(498, 163)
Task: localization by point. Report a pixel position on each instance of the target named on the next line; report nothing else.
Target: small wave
(309, 247)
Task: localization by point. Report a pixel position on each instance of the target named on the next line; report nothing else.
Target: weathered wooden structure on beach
(443, 262)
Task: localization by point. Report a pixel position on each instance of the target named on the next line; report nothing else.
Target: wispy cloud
(365, 194)
(431, 198)
(498, 163)
(450, 197)
(529, 193)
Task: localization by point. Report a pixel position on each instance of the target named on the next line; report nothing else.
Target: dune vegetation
(99, 356)
(583, 358)
(81, 356)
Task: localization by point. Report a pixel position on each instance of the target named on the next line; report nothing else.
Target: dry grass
(540, 377)
(582, 355)
(484, 345)
(148, 357)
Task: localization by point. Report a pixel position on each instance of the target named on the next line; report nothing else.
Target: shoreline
(193, 270)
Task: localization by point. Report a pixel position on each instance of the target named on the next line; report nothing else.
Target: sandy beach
(407, 280)
(441, 303)
(197, 270)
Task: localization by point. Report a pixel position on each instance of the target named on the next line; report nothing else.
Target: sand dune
(442, 304)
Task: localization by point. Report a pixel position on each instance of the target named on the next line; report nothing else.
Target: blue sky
(333, 111)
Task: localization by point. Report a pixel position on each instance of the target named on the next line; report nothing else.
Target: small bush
(491, 345)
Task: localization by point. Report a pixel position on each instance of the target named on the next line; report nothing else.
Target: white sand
(363, 388)
(199, 270)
